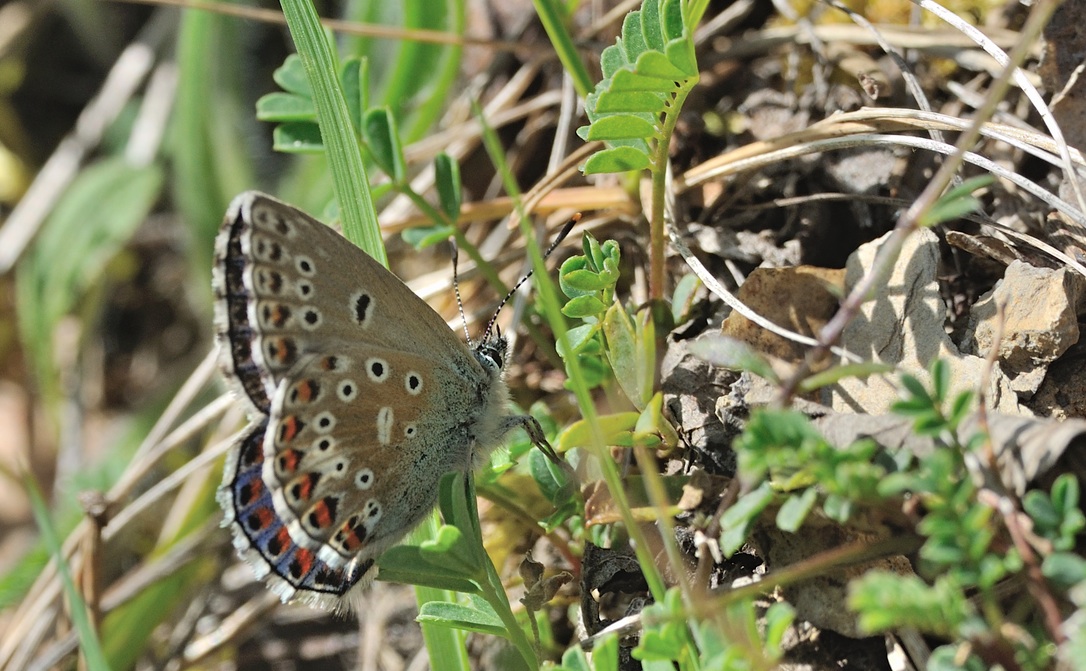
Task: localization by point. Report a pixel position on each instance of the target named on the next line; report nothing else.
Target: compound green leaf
(651, 28)
(280, 106)
(463, 617)
(613, 59)
(681, 56)
(671, 19)
(656, 64)
(291, 77)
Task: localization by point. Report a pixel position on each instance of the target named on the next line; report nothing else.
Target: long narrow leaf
(89, 644)
(345, 160)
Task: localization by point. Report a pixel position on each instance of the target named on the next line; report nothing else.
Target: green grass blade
(554, 22)
(344, 157)
(89, 644)
(210, 164)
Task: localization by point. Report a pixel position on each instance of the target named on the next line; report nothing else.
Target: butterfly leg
(535, 434)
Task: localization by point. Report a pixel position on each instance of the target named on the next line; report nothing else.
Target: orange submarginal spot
(303, 562)
(259, 518)
(250, 491)
(289, 428)
(281, 350)
(353, 536)
(305, 391)
(288, 461)
(279, 542)
(303, 487)
(279, 315)
(323, 512)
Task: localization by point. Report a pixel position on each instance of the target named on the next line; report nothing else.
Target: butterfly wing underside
(313, 330)
(351, 440)
(270, 308)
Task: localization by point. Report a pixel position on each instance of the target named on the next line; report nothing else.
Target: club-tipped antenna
(456, 290)
(557, 241)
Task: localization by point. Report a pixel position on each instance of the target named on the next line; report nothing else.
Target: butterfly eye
(491, 354)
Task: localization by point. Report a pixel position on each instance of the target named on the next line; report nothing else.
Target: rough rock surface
(1039, 321)
(904, 325)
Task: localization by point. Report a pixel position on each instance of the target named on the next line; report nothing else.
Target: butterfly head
(490, 353)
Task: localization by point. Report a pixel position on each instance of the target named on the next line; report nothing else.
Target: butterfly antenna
(557, 241)
(456, 290)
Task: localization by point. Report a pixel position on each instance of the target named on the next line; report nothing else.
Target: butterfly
(359, 396)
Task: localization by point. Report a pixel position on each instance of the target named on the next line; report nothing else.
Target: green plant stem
(815, 565)
(656, 225)
(499, 498)
(694, 11)
(492, 589)
(445, 646)
(485, 268)
(657, 236)
(90, 646)
(494, 593)
(654, 487)
(548, 297)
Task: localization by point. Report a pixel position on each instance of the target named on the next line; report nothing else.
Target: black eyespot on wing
(361, 308)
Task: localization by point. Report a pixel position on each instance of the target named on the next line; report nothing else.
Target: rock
(820, 599)
(904, 325)
(1039, 321)
(799, 299)
(691, 389)
(1062, 395)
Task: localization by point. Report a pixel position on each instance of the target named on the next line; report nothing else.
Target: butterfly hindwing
(348, 440)
(262, 537)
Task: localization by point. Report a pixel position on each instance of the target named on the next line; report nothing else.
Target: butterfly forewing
(292, 284)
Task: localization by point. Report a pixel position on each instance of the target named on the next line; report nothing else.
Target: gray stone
(904, 325)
